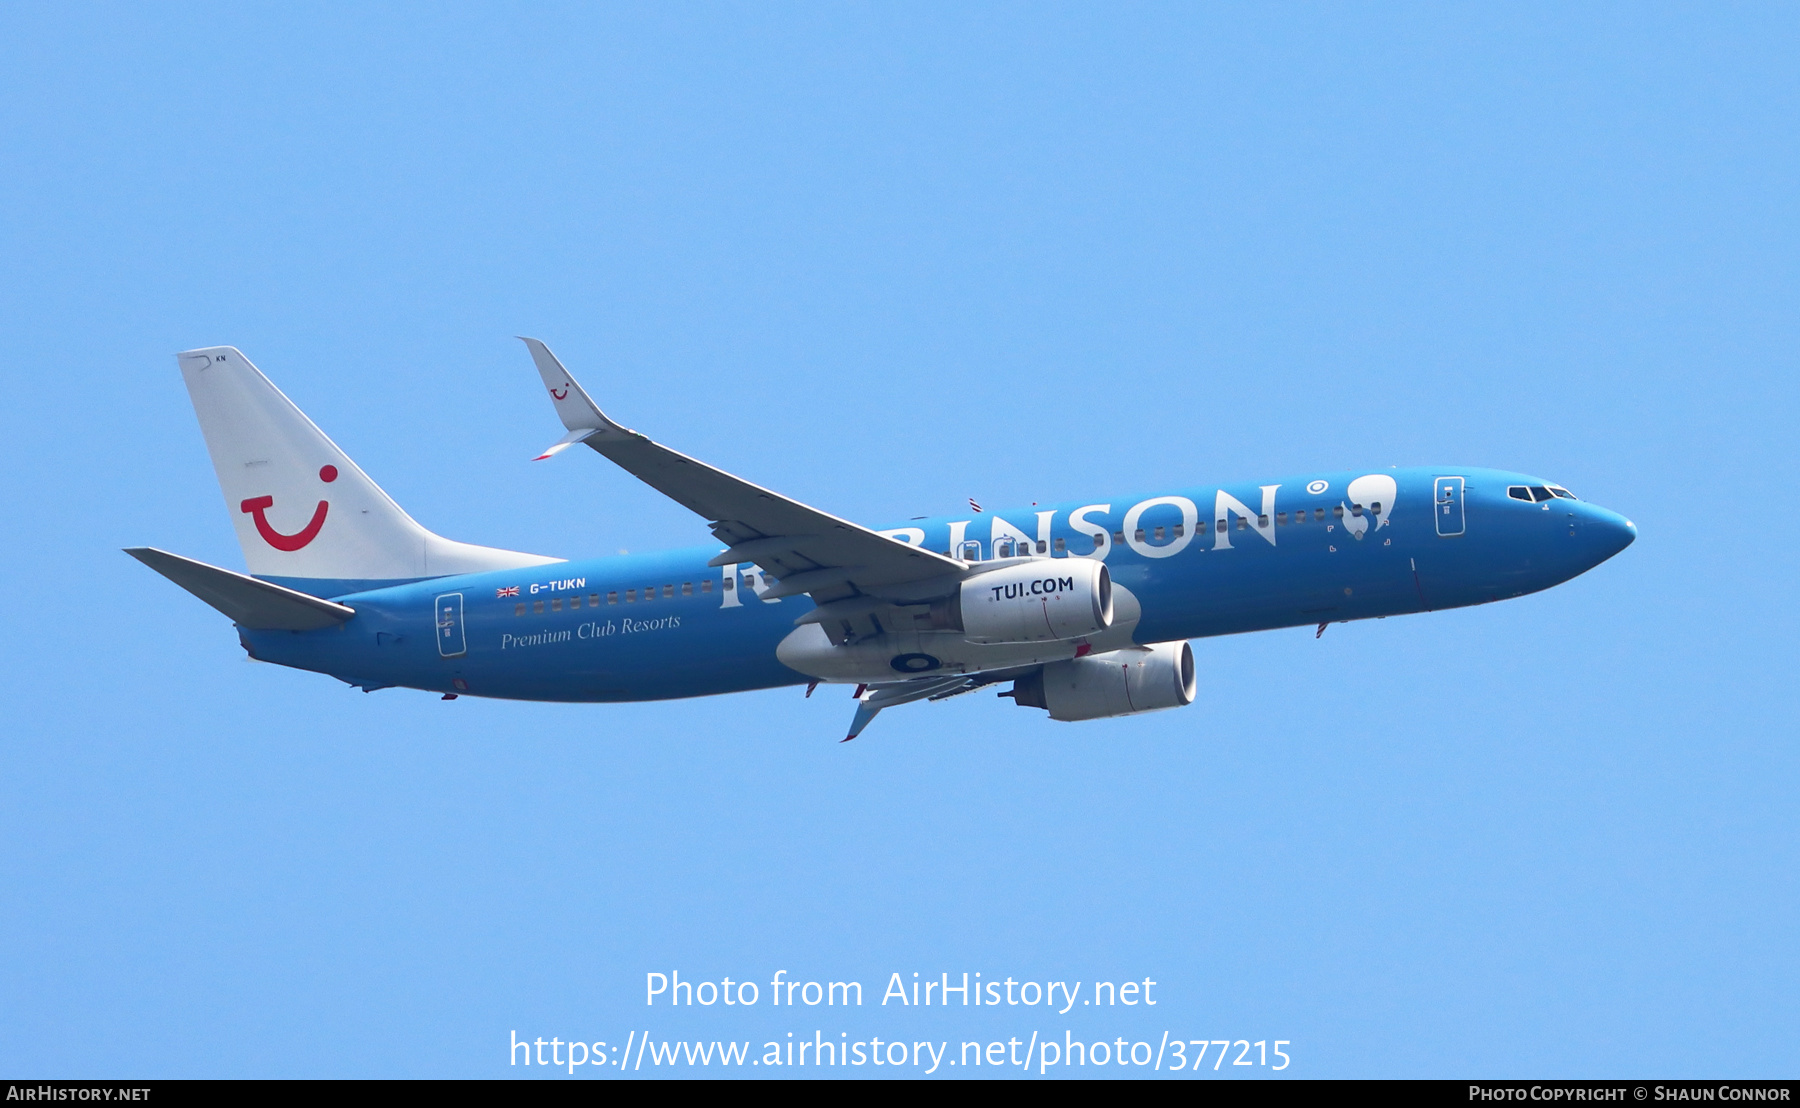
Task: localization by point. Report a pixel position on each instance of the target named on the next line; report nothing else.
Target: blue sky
(882, 259)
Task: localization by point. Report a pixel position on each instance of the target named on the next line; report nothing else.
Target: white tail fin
(305, 514)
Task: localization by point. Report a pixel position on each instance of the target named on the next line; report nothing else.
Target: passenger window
(593, 600)
(1375, 507)
(1138, 535)
(1280, 518)
(1159, 534)
(1262, 522)
(1337, 510)
(730, 584)
(612, 598)
(1200, 527)
(1222, 525)
(1242, 523)
(687, 588)
(631, 596)
(1061, 546)
(537, 606)
(1043, 547)
(519, 608)
(1180, 529)
(706, 585)
(1119, 536)
(649, 593)
(1519, 492)
(556, 604)
(574, 603)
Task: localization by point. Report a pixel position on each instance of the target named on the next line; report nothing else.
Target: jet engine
(1116, 683)
(1037, 600)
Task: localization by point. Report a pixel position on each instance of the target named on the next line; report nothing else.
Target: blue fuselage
(1299, 551)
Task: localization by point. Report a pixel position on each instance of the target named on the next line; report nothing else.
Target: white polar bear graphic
(1374, 495)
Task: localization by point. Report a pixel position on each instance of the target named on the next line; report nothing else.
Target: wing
(836, 562)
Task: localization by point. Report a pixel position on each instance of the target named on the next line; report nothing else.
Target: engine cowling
(1037, 600)
(1117, 683)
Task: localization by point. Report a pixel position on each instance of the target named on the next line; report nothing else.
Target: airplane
(1084, 608)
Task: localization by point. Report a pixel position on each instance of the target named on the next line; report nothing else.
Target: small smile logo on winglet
(257, 505)
(564, 394)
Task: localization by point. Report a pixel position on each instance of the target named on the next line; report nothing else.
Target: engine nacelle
(1037, 600)
(1117, 683)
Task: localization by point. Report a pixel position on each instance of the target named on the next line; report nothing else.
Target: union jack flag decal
(510, 590)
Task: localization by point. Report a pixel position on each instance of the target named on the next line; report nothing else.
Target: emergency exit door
(451, 643)
(1447, 492)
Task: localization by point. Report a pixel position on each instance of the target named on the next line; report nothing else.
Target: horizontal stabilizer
(257, 605)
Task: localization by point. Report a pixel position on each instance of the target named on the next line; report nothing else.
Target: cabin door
(450, 641)
(1447, 493)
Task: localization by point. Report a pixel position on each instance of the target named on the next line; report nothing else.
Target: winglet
(580, 434)
(574, 406)
(865, 714)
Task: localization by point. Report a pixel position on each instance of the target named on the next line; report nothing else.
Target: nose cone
(1605, 533)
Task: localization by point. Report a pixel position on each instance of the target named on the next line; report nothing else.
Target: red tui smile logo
(256, 505)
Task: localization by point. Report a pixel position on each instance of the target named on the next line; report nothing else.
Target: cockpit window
(1539, 493)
